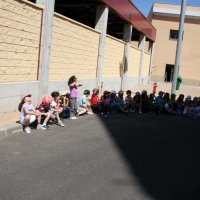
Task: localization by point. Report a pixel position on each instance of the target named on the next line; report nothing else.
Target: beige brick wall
(74, 49)
(20, 23)
(113, 58)
(134, 61)
(146, 64)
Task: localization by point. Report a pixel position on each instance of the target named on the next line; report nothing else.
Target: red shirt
(136, 99)
(94, 99)
(40, 108)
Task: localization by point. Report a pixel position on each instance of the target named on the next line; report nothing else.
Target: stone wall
(146, 64)
(74, 49)
(113, 58)
(20, 24)
(134, 62)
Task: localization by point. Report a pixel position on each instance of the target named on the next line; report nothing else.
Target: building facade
(44, 42)
(165, 18)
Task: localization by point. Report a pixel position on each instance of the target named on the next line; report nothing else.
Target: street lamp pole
(179, 46)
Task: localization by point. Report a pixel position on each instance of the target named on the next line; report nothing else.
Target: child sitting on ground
(129, 101)
(113, 103)
(29, 114)
(189, 110)
(96, 105)
(120, 100)
(152, 105)
(83, 102)
(195, 101)
(105, 101)
(137, 102)
(159, 101)
(64, 102)
(55, 108)
(44, 108)
(187, 100)
(145, 101)
(197, 109)
(166, 108)
(180, 104)
(172, 102)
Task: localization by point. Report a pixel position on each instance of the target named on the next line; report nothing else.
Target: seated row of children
(65, 104)
(54, 107)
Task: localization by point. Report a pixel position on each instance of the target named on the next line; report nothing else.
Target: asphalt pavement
(135, 157)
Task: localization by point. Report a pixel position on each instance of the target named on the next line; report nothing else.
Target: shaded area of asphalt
(139, 157)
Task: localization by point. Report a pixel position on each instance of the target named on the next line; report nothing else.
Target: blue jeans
(191, 116)
(66, 112)
(114, 105)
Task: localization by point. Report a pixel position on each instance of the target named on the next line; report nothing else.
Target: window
(169, 71)
(173, 35)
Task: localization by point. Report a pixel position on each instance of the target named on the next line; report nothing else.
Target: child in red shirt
(96, 106)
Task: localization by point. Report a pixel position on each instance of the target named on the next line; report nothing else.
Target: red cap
(105, 92)
(47, 99)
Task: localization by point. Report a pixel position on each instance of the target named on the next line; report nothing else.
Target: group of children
(65, 104)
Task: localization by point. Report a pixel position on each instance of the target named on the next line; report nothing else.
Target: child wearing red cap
(29, 114)
(44, 108)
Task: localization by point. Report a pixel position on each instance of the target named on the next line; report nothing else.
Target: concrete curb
(7, 131)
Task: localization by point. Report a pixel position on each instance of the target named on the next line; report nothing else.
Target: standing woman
(73, 86)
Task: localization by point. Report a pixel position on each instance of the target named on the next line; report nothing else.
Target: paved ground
(135, 157)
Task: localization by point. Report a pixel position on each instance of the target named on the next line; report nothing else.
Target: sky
(145, 5)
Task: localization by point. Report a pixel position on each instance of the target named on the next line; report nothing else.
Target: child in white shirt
(29, 114)
(55, 109)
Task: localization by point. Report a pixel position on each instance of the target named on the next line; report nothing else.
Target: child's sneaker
(140, 112)
(195, 116)
(131, 110)
(73, 118)
(39, 126)
(103, 115)
(178, 112)
(46, 126)
(27, 130)
(61, 124)
(89, 113)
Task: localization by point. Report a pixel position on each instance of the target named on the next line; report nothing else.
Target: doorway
(169, 71)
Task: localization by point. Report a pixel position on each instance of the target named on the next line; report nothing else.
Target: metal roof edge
(133, 16)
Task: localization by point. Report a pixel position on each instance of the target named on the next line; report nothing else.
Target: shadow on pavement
(163, 153)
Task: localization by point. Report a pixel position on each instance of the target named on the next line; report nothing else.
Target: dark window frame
(173, 33)
(169, 76)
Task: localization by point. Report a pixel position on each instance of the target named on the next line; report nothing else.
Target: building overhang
(131, 14)
(175, 13)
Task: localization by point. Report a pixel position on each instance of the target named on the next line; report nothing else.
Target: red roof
(130, 13)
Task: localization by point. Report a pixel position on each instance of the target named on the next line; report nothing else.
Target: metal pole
(179, 45)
